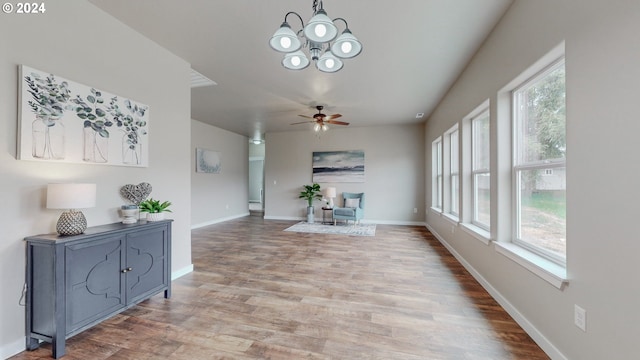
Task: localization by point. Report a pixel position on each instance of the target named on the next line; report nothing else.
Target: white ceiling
(413, 51)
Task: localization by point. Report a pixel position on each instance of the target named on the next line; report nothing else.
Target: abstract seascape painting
(338, 166)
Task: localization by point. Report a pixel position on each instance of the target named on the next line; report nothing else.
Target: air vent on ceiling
(199, 80)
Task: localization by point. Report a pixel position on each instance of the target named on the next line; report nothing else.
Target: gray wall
(223, 196)
(603, 83)
(394, 171)
(95, 50)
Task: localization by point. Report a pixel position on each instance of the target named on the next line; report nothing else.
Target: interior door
(256, 181)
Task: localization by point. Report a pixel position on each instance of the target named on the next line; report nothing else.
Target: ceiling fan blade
(306, 116)
(334, 116)
(303, 122)
(334, 122)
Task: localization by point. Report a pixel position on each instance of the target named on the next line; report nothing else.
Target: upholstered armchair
(352, 209)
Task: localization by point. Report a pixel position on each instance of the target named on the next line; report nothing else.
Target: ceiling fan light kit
(317, 36)
(317, 127)
(321, 120)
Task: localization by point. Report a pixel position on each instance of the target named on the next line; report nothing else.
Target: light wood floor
(258, 292)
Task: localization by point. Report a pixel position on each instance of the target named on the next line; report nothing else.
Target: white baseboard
(364, 221)
(394, 222)
(216, 221)
(13, 348)
(528, 327)
(284, 218)
(182, 272)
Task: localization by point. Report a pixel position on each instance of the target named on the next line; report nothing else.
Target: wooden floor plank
(258, 292)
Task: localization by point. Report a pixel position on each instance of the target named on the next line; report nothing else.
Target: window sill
(436, 210)
(547, 270)
(478, 233)
(451, 218)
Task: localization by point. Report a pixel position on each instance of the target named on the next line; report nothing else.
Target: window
(539, 163)
(454, 171)
(436, 162)
(480, 175)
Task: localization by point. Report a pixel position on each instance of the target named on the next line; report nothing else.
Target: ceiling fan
(321, 120)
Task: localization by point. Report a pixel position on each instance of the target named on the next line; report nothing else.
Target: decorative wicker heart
(136, 193)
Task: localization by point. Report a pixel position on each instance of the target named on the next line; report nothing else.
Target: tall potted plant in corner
(310, 192)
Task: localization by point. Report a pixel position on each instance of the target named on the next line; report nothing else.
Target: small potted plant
(310, 193)
(155, 209)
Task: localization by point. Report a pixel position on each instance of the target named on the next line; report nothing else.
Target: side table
(324, 212)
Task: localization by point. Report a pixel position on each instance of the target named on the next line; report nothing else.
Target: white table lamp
(71, 197)
(330, 193)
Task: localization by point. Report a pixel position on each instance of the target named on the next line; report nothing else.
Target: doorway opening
(256, 179)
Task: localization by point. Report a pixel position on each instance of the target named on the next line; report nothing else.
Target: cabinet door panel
(148, 262)
(95, 285)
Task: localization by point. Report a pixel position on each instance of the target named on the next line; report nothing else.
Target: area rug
(340, 229)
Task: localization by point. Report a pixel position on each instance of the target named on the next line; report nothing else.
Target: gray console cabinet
(75, 282)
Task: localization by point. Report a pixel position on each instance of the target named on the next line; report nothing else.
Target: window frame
(519, 165)
(453, 177)
(481, 113)
(437, 174)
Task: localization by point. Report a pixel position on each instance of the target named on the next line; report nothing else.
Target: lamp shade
(329, 63)
(330, 192)
(346, 45)
(295, 61)
(320, 28)
(71, 196)
(285, 40)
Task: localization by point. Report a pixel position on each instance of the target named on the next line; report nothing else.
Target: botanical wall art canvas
(338, 166)
(208, 161)
(64, 121)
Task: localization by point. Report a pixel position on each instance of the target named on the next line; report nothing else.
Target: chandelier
(317, 36)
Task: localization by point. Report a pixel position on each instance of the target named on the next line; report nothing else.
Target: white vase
(310, 218)
(130, 216)
(155, 216)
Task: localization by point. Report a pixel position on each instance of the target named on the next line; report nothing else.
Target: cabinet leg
(57, 347)
(32, 343)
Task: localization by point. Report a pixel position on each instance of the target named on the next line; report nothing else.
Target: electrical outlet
(415, 210)
(580, 317)
(227, 206)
